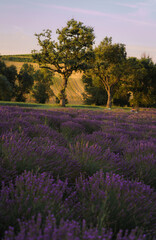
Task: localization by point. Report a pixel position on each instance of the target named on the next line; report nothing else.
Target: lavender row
(67, 230)
(101, 202)
(81, 141)
(97, 168)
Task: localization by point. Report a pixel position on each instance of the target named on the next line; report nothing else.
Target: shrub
(113, 202)
(71, 129)
(22, 153)
(29, 195)
(92, 157)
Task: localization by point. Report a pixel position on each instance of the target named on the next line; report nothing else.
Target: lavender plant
(66, 230)
(115, 203)
(71, 129)
(67, 143)
(29, 195)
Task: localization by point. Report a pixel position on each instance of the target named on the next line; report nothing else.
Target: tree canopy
(140, 80)
(108, 65)
(72, 52)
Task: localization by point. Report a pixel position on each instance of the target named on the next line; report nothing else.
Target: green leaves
(108, 65)
(42, 87)
(25, 81)
(72, 52)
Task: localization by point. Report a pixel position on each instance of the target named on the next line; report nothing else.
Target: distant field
(18, 58)
(75, 86)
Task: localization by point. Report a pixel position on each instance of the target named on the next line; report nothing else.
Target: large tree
(72, 52)
(108, 66)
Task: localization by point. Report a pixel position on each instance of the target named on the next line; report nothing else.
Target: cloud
(137, 17)
(80, 10)
(100, 14)
(127, 5)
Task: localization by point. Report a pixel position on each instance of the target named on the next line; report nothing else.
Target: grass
(50, 106)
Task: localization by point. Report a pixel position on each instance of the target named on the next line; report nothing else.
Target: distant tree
(5, 89)
(121, 96)
(42, 87)
(135, 76)
(2, 67)
(11, 74)
(8, 81)
(149, 81)
(72, 52)
(108, 66)
(95, 92)
(25, 80)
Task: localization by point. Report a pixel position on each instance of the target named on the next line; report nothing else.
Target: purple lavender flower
(29, 195)
(66, 230)
(113, 202)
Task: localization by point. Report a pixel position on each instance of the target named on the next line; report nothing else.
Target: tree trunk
(63, 92)
(109, 99)
(63, 102)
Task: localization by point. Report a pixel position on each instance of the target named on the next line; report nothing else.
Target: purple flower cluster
(67, 230)
(77, 174)
(29, 195)
(21, 153)
(112, 202)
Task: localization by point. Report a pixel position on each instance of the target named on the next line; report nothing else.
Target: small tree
(25, 82)
(42, 87)
(109, 59)
(72, 51)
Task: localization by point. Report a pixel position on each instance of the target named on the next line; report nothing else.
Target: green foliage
(108, 66)
(42, 87)
(5, 88)
(149, 82)
(7, 81)
(72, 52)
(90, 156)
(94, 93)
(25, 82)
(139, 80)
(121, 97)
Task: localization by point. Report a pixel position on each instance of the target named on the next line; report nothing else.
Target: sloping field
(75, 86)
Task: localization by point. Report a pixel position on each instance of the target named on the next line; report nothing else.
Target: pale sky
(131, 22)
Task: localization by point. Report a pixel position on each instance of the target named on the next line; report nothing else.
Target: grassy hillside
(75, 86)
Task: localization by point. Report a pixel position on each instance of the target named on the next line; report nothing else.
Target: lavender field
(71, 174)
